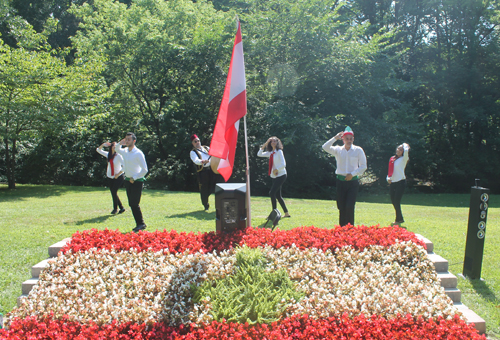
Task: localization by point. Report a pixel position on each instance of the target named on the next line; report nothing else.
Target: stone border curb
(449, 283)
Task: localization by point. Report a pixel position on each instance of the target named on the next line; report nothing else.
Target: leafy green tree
(166, 65)
(452, 54)
(310, 73)
(39, 92)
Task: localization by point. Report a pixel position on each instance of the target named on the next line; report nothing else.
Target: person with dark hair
(135, 169)
(206, 177)
(351, 163)
(114, 173)
(273, 148)
(397, 179)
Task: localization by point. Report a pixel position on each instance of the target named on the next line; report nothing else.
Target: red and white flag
(232, 108)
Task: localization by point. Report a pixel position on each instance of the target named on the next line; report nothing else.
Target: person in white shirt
(136, 168)
(351, 164)
(114, 173)
(273, 148)
(397, 179)
(206, 177)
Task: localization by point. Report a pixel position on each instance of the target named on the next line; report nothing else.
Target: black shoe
(139, 228)
(113, 212)
(122, 210)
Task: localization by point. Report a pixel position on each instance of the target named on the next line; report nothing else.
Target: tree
(452, 53)
(166, 65)
(38, 91)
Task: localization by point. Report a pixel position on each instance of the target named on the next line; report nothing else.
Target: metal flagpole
(249, 215)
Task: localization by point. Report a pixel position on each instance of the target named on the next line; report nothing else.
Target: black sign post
(476, 232)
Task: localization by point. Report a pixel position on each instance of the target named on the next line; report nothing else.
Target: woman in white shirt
(273, 149)
(397, 179)
(114, 173)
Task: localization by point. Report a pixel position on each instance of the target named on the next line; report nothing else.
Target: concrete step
(440, 264)
(56, 247)
(448, 280)
(38, 268)
(28, 285)
(454, 294)
(449, 283)
(472, 317)
(429, 244)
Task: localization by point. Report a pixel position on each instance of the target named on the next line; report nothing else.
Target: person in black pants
(351, 164)
(206, 177)
(273, 148)
(114, 173)
(135, 170)
(397, 179)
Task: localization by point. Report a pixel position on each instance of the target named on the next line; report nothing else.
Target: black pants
(134, 193)
(346, 200)
(397, 189)
(206, 181)
(114, 184)
(275, 192)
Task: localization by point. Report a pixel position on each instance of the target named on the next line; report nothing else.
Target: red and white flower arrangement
(358, 283)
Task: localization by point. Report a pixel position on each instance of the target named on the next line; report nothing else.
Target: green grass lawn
(34, 217)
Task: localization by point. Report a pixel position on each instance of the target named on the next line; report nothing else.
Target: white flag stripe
(238, 83)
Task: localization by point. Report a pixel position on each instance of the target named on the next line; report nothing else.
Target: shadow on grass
(430, 200)
(199, 215)
(482, 288)
(25, 191)
(99, 219)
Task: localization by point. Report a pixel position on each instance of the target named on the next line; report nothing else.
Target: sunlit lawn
(34, 217)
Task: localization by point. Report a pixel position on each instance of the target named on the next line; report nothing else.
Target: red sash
(112, 166)
(391, 166)
(271, 160)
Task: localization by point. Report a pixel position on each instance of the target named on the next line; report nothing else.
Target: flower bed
(355, 282)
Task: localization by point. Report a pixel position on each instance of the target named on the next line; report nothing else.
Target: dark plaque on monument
(230, 206)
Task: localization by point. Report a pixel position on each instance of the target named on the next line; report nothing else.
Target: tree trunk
(10, 162)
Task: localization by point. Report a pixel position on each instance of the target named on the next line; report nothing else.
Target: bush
(252, 294)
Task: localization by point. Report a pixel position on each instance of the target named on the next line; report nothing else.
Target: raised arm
(328, 146)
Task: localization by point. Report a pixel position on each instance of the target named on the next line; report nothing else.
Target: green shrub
(251, 294)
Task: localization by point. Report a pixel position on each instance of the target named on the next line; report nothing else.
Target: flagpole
(249, 215)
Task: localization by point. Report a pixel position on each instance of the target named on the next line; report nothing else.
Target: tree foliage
(423, 72)
(39, 92)
(164, 68)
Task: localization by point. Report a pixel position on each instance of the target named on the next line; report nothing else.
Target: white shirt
(134, 162)
(352, 161)
(278, 161)
(400, 165)
(117, 163)
(204, 156)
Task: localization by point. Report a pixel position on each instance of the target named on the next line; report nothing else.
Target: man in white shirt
(351, 163)
(206, 177)
(135, 168)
